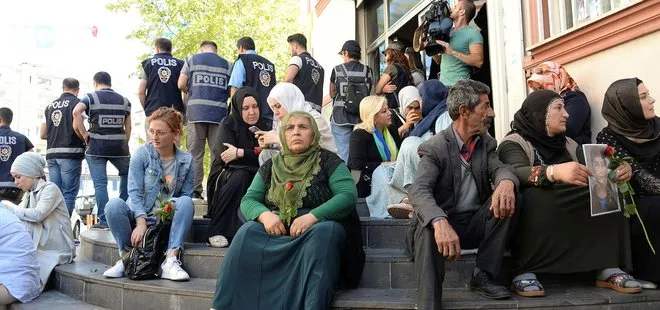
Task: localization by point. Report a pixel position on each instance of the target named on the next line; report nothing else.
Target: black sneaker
(485, 284)
(100, 226)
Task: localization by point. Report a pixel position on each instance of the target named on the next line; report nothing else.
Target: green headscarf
(291, 174)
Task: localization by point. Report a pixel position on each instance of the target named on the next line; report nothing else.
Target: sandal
(400, 211)
(519, 288)
(618, 282)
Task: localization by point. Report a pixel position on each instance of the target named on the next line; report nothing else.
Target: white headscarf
(291, 98)
(407, 95)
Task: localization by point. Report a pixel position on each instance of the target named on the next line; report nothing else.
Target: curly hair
(170, 116)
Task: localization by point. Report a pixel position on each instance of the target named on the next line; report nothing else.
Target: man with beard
(455, 206)
(304, 71)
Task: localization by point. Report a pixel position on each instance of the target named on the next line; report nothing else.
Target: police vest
(162, 72)
(355, 73)
(62, 141)
(310, 80)
(12, 144)
(107, 112)
(207, 88)
(260, 75)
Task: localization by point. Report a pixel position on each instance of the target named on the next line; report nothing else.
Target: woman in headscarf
(396, 75)
(410, 111)
(285, 98)
(44, 212)
(633, 130)
(303, 234)
(556, 233)
(232, 173)
(552, 76)
(374, 141)
(435, 117)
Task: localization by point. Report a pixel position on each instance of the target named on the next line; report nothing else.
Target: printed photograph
(603, 191)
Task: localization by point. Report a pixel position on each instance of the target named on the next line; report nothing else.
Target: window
(375, 20)
(377, 58)
(398, 8)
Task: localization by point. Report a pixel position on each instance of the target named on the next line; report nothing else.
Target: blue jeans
(342, 136)
(121, 222)
(97, 166)
(65, 173)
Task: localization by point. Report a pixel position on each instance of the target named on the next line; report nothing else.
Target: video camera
(436, 25)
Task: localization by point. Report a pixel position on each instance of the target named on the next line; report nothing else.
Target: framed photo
(603, 191)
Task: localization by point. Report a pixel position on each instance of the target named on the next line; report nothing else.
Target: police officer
(158, 80)
(65, 150)
(304, 71)
(350, 71)
(204, 77)
(107, 139)
(255, 71)
(12, 144)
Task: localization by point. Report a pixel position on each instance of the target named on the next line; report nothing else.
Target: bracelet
(552, 173)
(236, 153)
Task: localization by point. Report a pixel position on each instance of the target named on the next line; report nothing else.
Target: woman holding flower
(633, 130)
(302, 233)
(159, 174)
(556, 233)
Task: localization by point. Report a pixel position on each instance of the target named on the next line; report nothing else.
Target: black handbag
(143, 261)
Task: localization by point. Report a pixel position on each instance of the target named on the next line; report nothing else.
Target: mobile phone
(254, 129)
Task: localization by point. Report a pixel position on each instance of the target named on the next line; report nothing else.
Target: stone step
(83, 281)
(376, 233)
(54, 300)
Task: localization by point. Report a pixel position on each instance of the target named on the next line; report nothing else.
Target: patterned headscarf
(552, 76)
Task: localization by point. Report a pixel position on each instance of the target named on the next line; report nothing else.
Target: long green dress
(262, 271)
(556, 233)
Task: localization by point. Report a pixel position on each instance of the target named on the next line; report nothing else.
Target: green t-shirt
(451, 68)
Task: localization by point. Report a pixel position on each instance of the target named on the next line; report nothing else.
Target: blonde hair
(369, 107)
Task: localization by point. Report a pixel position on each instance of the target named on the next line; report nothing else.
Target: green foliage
(189, 22)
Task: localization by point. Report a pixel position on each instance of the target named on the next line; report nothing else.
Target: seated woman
(19, 269)
(159, 170)
(44, 212)
(410, 111)
(552, 76)
(232, 173)
(285, 98)
(556, 233)
(372, 144)
(633, 130)
(303, 234)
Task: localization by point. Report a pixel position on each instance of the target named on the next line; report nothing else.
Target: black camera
(436, 25)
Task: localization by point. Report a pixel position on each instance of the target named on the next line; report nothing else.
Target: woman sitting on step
(158, 171)
(232, 173)
(303, 235)
(44, 212)
(556, 233)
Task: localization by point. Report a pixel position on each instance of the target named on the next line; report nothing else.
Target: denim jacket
(144, 174)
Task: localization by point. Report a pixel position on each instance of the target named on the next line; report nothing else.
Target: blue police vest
(260, 75)
(12, 144)
(107, 112)
(162, 72)
(207, 88)
(62, 141)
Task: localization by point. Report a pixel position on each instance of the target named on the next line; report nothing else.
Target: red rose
(609, 151)
(168, 208)
(288, 186)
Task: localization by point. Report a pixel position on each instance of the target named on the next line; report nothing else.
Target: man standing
(12, 144)
(107, 139)
(158, 81)
(255, 71)
(349, 83)
(454, 204)
(465, 48)
(65, 150)
(304, 71)
(204, 77)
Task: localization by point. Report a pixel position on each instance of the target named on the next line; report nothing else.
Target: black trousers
(479, 229)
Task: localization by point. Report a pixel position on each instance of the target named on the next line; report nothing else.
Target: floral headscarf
(552, 76)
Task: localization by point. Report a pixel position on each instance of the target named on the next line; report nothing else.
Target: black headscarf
(529, 122)
(434, 103)
(625, 119)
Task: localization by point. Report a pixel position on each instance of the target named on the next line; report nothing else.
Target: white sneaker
(116, 271)
(218, 241)
(172, 270)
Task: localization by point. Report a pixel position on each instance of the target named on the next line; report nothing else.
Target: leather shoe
(485, 284)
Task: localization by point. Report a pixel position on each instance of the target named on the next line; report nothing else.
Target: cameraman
(465, 48)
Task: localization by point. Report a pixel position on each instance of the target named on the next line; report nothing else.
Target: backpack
(354, 91)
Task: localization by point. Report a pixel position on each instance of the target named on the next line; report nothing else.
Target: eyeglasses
(158, 133)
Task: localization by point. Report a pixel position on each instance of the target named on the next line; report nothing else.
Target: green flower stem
(643, 227)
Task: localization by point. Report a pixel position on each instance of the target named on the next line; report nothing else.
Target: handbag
(143, 261)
